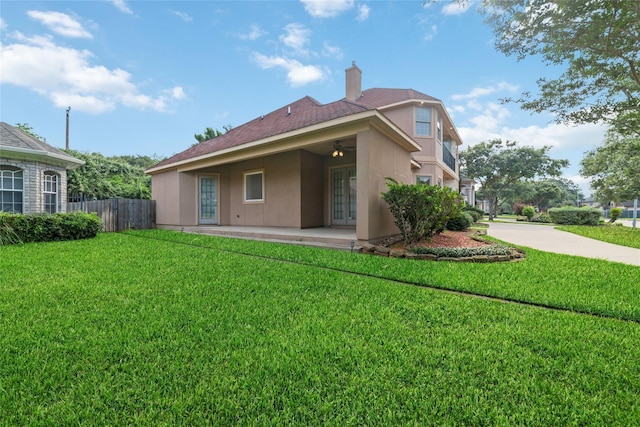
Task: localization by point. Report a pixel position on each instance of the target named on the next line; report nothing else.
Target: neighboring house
(468, 191)
(309, 164)
(33, 174)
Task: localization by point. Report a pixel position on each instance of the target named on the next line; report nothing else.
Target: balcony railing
(448, 158)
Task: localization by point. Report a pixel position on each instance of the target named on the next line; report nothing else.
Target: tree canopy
(497, 165)
(26, 128)
(598, 41)
(614, 168)
(210, 133)
(110, 177)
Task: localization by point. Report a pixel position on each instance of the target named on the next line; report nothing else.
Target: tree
(106, 178)
(210, 133)
(614, 168)
(497, 165)
(599, 43)
(24, 127)
(554, 192)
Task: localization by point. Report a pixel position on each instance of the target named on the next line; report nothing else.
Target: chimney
(354, 82)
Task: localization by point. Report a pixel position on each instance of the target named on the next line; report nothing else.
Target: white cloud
(122, 6)
(182, 15)
(296, 37)
(254, 33)
(3, 24)
(326, 8)
(456, 8)
(177, 93)
(60, 23)
(431, 33)
(67, 77)
(363, 12)
(298, 74)
(332, 51)
(478, 92)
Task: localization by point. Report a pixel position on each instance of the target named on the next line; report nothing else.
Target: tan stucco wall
(174, 194)
(378, 158)
(281, 206)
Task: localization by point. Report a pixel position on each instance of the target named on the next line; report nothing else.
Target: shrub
(615, 214)
(517, 208)
(575, 216)
(16, 228)
(420, 210)
(494, 249)
(475, 213)
(529, 212)
(544, 218)
(460, 222)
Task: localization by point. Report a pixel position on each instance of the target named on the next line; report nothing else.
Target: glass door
(208, 203)
(343, 196)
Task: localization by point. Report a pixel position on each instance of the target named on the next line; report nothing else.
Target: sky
(142, 77)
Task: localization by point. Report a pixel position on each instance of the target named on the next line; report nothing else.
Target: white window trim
(56, 182)
(244, 186)
(430, 121)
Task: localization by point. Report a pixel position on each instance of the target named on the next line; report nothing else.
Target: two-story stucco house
(309, 164)
(33, 174)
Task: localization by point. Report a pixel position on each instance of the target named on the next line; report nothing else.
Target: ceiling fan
(339, 150)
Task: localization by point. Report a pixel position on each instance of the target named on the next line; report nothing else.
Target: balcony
(448, 158)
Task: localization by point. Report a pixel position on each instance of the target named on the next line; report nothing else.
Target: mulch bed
(447, 239)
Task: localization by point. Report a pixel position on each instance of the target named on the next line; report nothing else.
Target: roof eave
(67, 162)
(291, 140)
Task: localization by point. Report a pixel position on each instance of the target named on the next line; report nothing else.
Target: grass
(624, 236)
(560, 281)
(122, 330)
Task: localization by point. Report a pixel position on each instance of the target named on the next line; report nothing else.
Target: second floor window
(423, 121)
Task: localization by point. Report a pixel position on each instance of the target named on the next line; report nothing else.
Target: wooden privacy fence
(120, 214)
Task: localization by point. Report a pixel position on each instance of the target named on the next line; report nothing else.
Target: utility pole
(67, 140)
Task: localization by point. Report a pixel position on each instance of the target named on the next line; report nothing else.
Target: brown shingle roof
(304, 112)
(380, 97)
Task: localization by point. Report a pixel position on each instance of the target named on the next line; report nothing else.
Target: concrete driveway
(548, 239)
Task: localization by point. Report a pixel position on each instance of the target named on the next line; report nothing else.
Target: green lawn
(625, 236)
(131, 329)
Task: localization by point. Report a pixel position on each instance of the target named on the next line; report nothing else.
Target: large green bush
(476, 213)
(460, 222)
(575, 216)
(420, 210)
(16, 228)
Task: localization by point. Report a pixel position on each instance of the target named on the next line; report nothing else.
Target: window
(423, 121)
(11, 189)
(439, 124)
(50, 192)
(421, 179)
(254, 186)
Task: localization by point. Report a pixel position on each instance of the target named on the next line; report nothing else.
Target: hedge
(19, 228)
(575, 216)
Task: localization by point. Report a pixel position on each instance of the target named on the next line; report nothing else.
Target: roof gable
(299, 114)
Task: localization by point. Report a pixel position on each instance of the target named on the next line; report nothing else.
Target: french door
(208, 200)
(343, 196)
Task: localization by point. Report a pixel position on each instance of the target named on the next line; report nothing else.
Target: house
(33, 174)
(309, 164)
